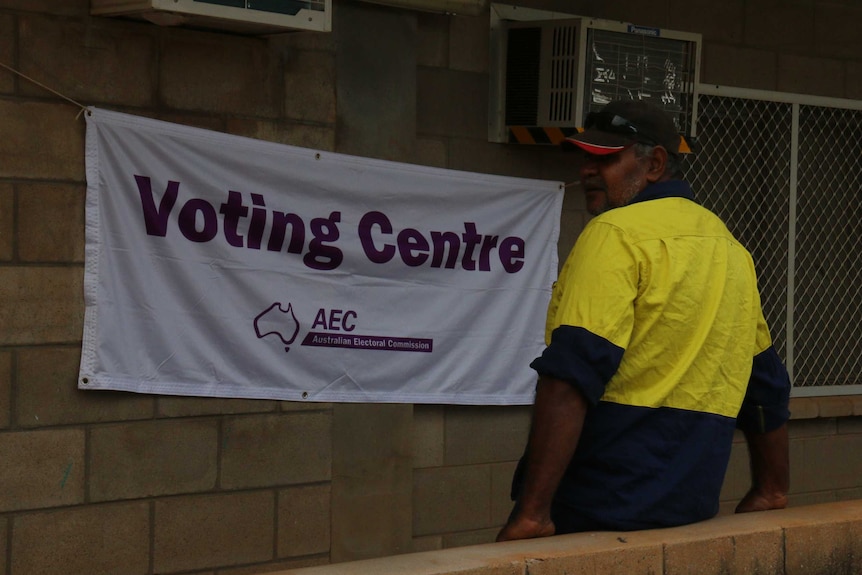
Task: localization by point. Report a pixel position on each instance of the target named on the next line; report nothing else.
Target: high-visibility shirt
(656, 318)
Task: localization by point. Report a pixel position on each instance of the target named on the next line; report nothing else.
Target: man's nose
(589, 167)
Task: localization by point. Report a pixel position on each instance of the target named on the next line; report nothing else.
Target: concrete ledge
(817, 539)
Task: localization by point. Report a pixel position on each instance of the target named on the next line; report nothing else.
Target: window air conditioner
(459, 7)
(549, 70)
(240, 16)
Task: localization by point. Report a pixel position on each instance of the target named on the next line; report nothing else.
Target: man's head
(625, 147)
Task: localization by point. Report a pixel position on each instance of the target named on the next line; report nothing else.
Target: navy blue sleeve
(582, 358)
(765, 406)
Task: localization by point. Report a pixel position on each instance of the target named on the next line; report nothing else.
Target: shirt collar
(666, 189)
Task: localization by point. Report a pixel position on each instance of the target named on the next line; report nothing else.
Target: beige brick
(276, 450)
(727, 507)
(784, 25)
(372, 476)
(850, 425)
(437, 89)
(501, 491)
(55, 7)
(717, 21)
(761, 553)
(485, 434)
(276, 567)
(302, 41)
(205, 122)
(7, 49)
(826, 464)
(7, 222)
(153, 458)
(41, 469)
(825, 427)
(206, 531)
(42, 141)
(92, 60)
(93, 540)
(739, 66)
(432, 152)
(432, 40)
(47, 392)
(848, 494)
(737, 479)
(641, 559)
(49, 304)
(428, 435)
(797, 466)
(710, 556)
(51, 223)
(806, 499)
(856, 400)
(803, 408)
(474, 155)
(293, 134)
(4, 553)
(5, 388)
(854, 80)
(450, 499)
(811, 75)
(823, 548)
(236, 74)
(465, 538)
(835, 29)
(630, 11)
(468, 43)
(567, 564)
(296, 406)
(605, 560)
(174, 406)
(428, 543)
(303, 520)
(309, 87)
(834, 406)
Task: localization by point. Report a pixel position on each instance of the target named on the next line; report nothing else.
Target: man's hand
(755, 500)
(520, 527)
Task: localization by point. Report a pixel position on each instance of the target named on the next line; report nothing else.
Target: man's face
(613, 180)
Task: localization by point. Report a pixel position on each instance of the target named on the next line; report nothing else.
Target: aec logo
(282, 323)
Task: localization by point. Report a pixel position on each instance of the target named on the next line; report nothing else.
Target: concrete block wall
(115, 482)
(120, 483)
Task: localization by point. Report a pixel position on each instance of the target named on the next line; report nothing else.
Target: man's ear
(657, 164)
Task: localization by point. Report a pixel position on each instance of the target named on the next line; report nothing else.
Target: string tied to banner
(83, 108)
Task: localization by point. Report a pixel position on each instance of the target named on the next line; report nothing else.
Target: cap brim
(597, 143)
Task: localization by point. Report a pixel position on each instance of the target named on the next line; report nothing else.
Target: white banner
(223, 266)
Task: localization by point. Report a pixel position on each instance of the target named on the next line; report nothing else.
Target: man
(656, 350)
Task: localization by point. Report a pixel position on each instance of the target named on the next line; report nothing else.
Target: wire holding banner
(44, 87)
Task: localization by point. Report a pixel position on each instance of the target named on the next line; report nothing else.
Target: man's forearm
(558, 417)
(770, 470)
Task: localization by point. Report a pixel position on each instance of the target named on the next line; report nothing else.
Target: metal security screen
(786, 177)
(828, 292)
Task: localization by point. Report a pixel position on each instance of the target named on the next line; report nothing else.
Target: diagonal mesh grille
(828, 298)
(741, 171)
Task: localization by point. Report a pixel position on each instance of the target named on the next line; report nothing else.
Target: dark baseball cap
(622, 123)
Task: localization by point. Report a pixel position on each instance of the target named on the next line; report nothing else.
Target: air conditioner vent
(564, 75)
(522, 89)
